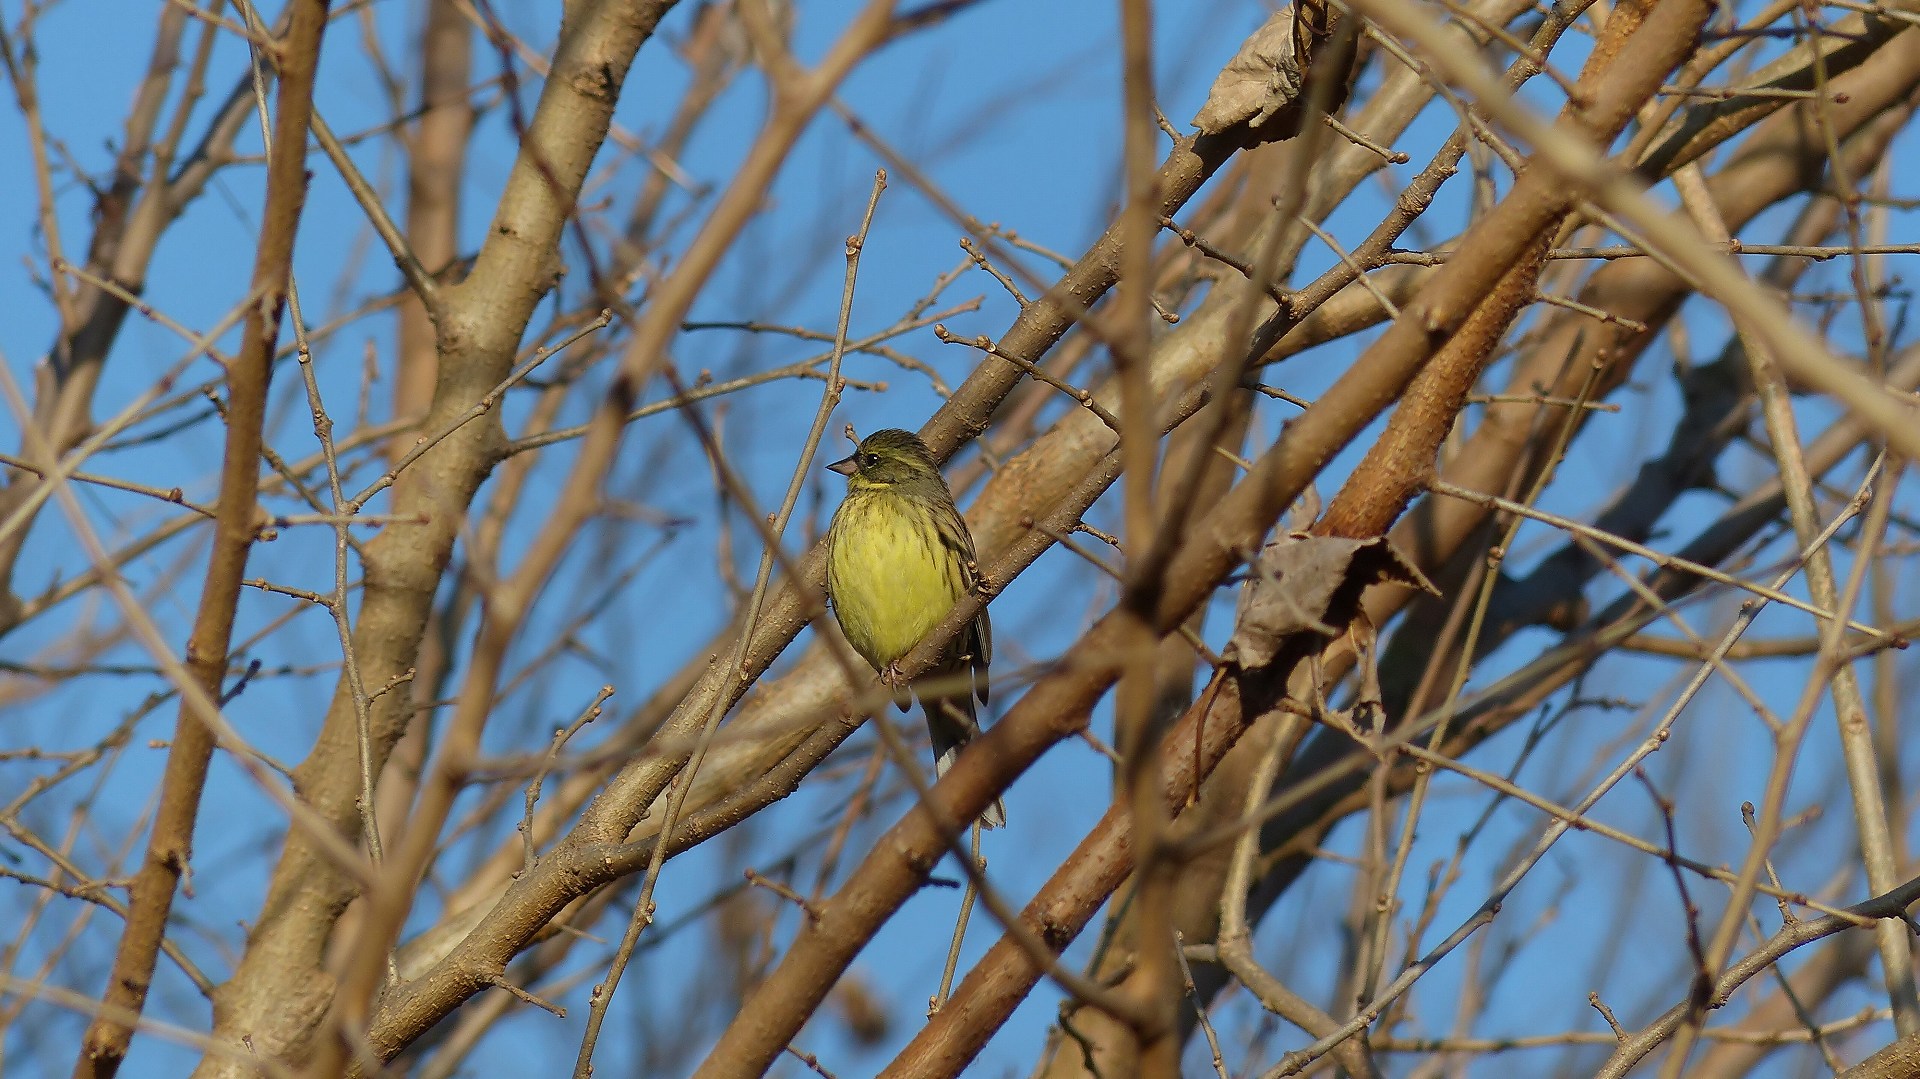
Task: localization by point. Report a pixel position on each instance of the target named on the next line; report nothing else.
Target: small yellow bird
(899, 558)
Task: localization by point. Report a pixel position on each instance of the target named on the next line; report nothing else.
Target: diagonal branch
(171, 847)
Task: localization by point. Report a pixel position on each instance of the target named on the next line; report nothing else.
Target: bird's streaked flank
(899, 558)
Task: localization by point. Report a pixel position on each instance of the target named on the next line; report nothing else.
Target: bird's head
(888, 458)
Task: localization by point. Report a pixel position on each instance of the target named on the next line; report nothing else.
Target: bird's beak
(844, 466)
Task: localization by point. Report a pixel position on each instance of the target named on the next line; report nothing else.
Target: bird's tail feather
(950, 735)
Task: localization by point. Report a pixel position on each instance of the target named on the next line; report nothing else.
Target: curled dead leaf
(1299, 580)
(1265, 76)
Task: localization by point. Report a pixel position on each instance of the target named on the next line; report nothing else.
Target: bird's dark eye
(869, 459)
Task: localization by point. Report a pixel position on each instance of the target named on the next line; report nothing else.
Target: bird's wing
(976, 642)
(981, 633)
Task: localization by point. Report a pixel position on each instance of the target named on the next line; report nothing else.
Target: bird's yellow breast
(890, 577)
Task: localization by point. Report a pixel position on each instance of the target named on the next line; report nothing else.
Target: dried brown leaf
(1296, 581)
(1265, 76)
